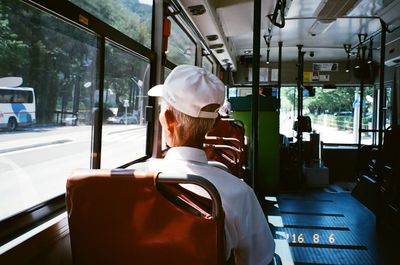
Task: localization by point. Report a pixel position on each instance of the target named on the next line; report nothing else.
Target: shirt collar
(187, 154)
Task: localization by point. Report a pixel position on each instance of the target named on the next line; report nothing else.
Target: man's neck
(189, 143)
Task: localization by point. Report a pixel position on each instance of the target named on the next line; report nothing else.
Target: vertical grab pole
(299, 81)
(157, 73)
(256, 81)
(95, 156)
(280, 43)
(299, 113)
(228, 79)
(381, 83)
(362, 84)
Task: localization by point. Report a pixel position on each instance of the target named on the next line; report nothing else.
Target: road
(35, 163)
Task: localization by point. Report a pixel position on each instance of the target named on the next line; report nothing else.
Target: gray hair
(194, 127)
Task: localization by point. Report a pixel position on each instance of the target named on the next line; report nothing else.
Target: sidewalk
(36, 137)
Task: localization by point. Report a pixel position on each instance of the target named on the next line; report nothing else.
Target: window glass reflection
(133, 18)
(207, 64)
(124, 127)
(50, 132)
(181, 49)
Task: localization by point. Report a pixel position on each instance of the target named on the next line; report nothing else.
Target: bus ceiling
(323, 27)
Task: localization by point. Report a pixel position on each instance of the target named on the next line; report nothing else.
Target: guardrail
(339, 122)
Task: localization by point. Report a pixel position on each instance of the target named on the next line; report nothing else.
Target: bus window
(132, 18)
(58, 60)
(335, 113)
(6, 94)
(388, 111)
(22, 96)
(288, 111)
(181, 48)
(369, 116)
(125, 99)
(207, 64)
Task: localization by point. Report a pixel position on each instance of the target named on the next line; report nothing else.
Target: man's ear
(170, 120)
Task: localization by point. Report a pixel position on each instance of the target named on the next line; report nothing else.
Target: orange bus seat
(226, 154)
(124, 216)
(229, 153)
(224, 140)
(228, 127)
(227, 132)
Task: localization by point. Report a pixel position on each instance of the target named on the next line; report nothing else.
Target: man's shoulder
(216, 172)
(147, 165)
(227, 181)
(219, 165)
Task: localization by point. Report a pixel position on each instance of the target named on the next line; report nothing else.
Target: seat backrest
(303, 124)
(129, 217)
(390, 148)
(389, 156)
(228, 127)
(229, 155)
(225, 143)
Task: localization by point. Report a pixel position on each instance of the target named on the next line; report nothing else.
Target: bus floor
(322, 227)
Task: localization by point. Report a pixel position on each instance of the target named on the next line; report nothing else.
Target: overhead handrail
(197, 180)
(279, 12)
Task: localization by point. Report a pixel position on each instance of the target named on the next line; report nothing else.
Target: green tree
(331, 100)
(57, 58)
(288, 98)
(13, 51)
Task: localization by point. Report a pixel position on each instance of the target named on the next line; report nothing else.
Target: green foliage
(330, 101)
(129, 17)
(288, 98)
(57, 58)
(336, 100)
(13, 52)
(331, 108)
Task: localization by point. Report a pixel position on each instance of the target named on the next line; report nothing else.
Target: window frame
(20, 223)
(178, 22)
(207, 57)
(374, 130)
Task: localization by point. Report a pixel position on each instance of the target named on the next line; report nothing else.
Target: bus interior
(312, 121)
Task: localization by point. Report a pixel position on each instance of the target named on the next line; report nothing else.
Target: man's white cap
(189, 89)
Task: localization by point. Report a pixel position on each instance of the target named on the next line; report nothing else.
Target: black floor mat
(326, 228)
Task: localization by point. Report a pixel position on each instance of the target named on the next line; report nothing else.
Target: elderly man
(190, 98)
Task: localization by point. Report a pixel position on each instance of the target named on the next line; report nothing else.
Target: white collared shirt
(246, 229)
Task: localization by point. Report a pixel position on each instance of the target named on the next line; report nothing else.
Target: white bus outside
(17, 107)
